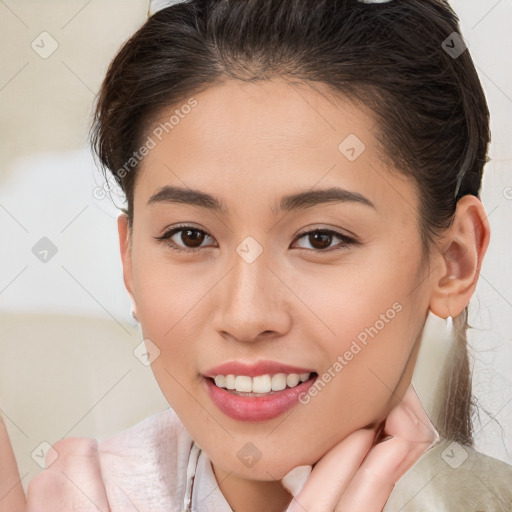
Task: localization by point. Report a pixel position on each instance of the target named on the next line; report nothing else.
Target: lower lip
(246, 408)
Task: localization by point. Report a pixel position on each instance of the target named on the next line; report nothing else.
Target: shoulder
(451, 477)
(160, 429)
(144, 467)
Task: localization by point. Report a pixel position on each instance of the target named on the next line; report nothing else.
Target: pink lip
(253, 370)
(247, 408)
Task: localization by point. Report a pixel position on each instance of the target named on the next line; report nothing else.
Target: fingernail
(295, 479)
(420, 418)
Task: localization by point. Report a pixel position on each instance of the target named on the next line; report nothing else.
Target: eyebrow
(302, 200)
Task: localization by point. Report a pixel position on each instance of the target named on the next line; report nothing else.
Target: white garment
(144, 469)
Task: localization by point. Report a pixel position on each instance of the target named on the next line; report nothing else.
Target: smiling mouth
(243, 405)
(261, 385)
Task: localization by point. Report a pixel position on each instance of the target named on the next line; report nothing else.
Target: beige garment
(453, 478)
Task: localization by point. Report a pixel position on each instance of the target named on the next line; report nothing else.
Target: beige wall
(44, 103)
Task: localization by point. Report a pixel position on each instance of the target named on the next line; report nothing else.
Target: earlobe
(459, 260)
(123, 229)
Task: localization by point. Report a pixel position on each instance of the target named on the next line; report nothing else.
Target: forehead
(274, 114)
(271, 138)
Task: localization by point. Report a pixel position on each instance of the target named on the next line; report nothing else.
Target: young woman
(302, 183)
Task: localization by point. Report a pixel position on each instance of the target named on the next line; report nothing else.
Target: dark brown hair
(393, 57)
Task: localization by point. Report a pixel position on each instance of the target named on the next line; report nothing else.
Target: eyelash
(165, 238)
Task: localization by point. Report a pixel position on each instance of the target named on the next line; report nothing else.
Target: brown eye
(321, 239)
(190, 239)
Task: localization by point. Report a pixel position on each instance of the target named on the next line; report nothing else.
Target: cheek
(370, 321)
(165, 291)
(362, 376)
(360, 303)
(170, 304)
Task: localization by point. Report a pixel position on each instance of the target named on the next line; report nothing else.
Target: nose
(253, 301)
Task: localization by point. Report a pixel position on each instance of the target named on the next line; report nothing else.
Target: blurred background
(71, 359)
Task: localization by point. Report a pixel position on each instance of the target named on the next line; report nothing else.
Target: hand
(358, 475)
(71, 481)
(12, 497)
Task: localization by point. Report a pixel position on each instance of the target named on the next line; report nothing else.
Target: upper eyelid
(177, 229)
(305, 231)
(336, 232)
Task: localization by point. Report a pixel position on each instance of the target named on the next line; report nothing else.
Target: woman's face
(254, 287)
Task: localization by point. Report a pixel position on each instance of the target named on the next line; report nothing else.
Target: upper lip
(254, 369)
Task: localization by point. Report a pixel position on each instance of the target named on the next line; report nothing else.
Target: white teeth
(230, 381)
(278, 381)
(243, 383)
(261, 383)
(220, 381)
(292, 380)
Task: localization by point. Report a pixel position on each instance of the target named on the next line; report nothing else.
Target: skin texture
(250, 144)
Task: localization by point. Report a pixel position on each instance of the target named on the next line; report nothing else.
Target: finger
(12, 497)
(71, 481)
(371, 486)
(408, 420)
(332, 473)
(412, 435)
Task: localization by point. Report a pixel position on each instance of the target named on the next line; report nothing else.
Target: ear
(459, 258)
(123, 229)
